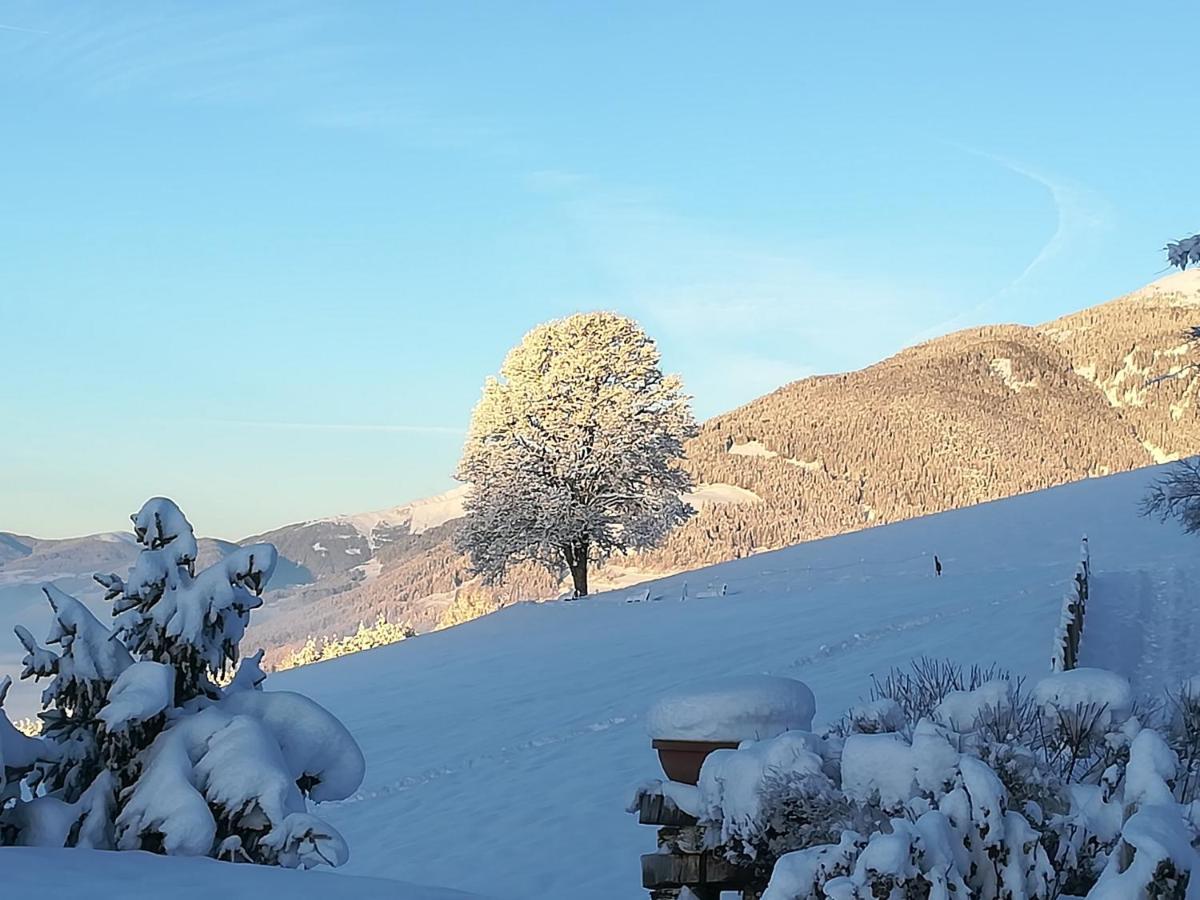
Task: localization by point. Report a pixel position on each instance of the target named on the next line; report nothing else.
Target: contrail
(1073, 213)
(23, 30)
(333, 426)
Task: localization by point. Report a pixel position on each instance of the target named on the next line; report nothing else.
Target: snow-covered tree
(1182, 252)
(573, 450)
(1176, 495)
(141, 748)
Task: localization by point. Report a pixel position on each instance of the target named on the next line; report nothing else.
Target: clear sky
(259, 257)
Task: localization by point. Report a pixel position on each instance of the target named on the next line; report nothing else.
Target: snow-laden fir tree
(143, 750)
(573, 450)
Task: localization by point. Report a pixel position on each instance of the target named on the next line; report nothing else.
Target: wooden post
(681, 861)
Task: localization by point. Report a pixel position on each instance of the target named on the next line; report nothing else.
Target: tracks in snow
(504, 754)
(1144, 624)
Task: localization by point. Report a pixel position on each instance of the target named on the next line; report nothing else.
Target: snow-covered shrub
(142, 748)
(470, 602)
(771, 796)
(875, 717)
(367, 637)
(920, 688)
(19, 753)
(797, 811)
(995, 792)
(959, 840)
(1183, 709)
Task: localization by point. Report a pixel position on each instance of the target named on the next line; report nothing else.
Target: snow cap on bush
(1106, 693)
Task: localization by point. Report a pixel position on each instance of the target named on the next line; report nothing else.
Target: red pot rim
(693, 746)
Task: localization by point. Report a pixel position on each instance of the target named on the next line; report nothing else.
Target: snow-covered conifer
(143, 750)
(572, 453)
(167, 614)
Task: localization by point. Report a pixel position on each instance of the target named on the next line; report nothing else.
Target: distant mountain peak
(418, 515)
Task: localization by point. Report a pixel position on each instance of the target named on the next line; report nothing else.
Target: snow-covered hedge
(994, 792)
(141, 749)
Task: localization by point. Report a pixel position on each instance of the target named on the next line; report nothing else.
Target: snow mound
(742, 708)
(960, 710)
(1065, 692)
(316, 747)
(796, 873)
(878, 765)
(1156, 835)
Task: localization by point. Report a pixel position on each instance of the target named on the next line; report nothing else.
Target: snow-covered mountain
(338, 544)
(501, 753)
(969, 417)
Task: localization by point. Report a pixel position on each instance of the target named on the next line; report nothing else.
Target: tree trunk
(577, 561)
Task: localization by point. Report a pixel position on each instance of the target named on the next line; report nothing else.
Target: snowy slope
(501, 753)
(39, 872)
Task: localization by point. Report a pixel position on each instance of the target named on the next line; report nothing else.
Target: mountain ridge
(975, 415)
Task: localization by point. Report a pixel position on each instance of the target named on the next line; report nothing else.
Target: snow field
(501, 754)
(136, 875)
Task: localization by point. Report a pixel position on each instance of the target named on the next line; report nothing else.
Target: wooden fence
(1070, 626)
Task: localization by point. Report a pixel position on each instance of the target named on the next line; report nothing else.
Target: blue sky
(260, 257)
